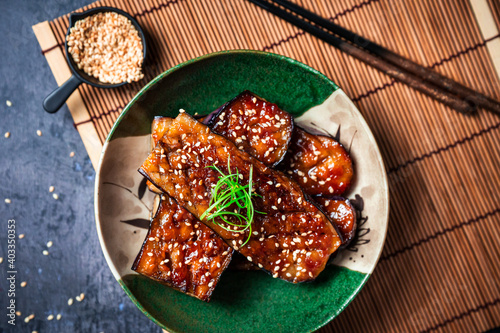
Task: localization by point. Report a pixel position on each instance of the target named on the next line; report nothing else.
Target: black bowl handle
(58, 97)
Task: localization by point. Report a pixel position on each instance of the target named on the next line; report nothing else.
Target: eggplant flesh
(291, 238)
(320, 164)
(342, 214)
(181, 252)
(158, 128)
(256, 126)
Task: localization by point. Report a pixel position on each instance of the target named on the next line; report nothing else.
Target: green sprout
(228, 192)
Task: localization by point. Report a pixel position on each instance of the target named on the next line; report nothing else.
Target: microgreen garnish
(229, 193)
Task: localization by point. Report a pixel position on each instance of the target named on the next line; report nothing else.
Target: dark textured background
(29, 165)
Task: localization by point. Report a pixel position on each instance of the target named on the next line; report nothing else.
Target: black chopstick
(400, 74)
(435, 78)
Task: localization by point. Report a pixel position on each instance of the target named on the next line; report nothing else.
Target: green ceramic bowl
(243, 301)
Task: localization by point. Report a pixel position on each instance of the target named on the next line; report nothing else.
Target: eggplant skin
(256, 126)
(320, 164)
(292, 239)
(342, 214)
(181, 252)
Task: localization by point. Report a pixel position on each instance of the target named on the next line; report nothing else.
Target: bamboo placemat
(440, 268)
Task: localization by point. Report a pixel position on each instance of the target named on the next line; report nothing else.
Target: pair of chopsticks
(435, 85)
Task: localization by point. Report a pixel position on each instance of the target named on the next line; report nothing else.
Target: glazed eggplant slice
(181, 252)
(258, 127)
(342, 214)
(158, 128)
(289, 237)
(318, 163)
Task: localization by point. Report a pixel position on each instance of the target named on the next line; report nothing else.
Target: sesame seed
(182, 110)
(49, 244)
(1, 260)
(120, 62)
(275, 275)
(58, 317)
(321, 182)
(9, 103)
(50, 317)
(8, 201)
(255, 233)
(45, 252)
(211, 283)
(283, 217)
(72, 154)
(70, 301)
(274, 207)
(23, 284)
(55, 196)
(310, 274)
(270, 182)
(7, 135)
(150, 254)
(38, 132)
(279, 200)
(249, 258)
(330, 189)
(21, 236)
(288, 274)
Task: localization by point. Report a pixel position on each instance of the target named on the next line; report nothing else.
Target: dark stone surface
(29, 165)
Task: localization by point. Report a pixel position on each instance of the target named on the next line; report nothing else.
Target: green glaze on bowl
(244, 301)
(249, 302)
(203, 84)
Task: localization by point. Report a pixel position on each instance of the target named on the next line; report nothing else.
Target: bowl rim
(177, 67)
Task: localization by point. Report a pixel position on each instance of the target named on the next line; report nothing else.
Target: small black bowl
(58, 97)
